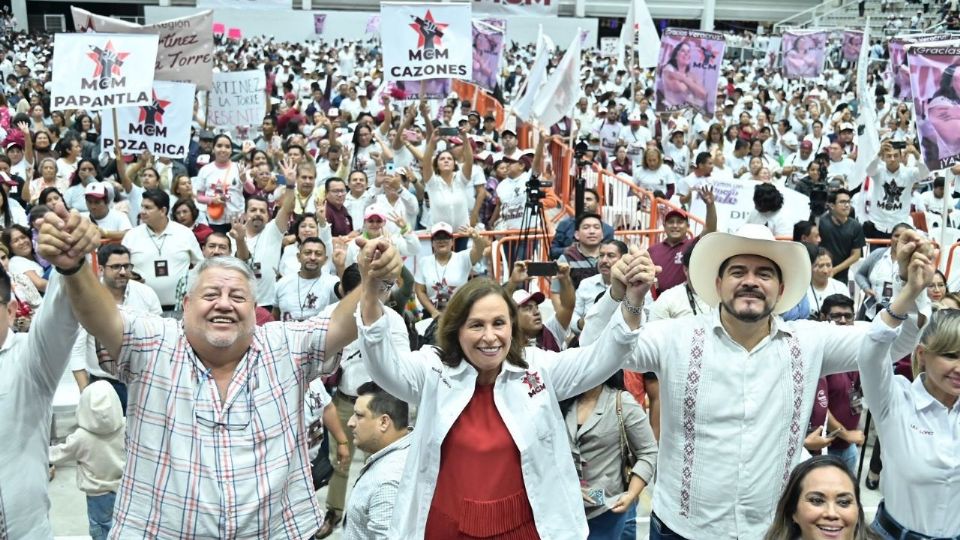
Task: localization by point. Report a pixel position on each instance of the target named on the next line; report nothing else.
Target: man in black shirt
(841, 234)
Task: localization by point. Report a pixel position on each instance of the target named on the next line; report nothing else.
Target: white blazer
(527, 400)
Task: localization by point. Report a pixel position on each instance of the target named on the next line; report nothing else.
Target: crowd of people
(323, 282)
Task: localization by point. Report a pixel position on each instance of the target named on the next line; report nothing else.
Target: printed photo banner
(487, 51)
(412, 90)
(734, 200)
(238, 99)
(373, 24)
(898, 68)
(102, 71)
(522, 8)
(185, 50)
(319, 20)
(935, 84)
(803, 54)
(852, 39)
(688, 69)
(773, 51)
(162, 127)
(426, 41)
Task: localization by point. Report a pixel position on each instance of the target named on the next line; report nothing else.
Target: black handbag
(320, 468)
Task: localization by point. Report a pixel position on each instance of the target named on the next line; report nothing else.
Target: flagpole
(116, 130)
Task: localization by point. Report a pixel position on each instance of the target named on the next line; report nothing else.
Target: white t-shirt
(654, 180)
(299, 298)
(113, 221)
(512, 193)
(22, 265)
(265, 254)
(447, 201)
(815, 296)
(213, 180)
(442, 281)
(163, 259)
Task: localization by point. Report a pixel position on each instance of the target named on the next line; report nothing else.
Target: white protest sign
(734, 200)
(162, 127)
(609, 46)
(238, 98)
(102, 71)
(426, 41)
(185, 51)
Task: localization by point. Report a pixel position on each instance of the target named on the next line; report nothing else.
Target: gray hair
(225, 262)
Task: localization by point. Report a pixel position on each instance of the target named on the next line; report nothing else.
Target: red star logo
(437, 34)
(157, 107)
(107, 56)
(532, 379)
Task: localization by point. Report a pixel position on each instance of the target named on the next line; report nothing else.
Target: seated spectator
(822, 284)
(186, 213)
(566, 229)
(767, 210)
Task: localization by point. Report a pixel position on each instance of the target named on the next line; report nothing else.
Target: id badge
(256, 270)
(160, 269)
(887, 290)
(856, 400)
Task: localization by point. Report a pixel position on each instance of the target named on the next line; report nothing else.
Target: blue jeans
(610, 526)
(100, 514)
(849, 457)
(659, 531)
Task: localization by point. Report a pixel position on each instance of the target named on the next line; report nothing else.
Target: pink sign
(234, 33)
(219, 28)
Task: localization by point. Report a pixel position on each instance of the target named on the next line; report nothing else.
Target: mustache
(750, 292)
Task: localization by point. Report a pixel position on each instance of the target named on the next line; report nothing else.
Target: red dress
(480, 491)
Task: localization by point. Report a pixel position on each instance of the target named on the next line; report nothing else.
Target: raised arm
(467, 154)
(568, 296)
(426, 160)
(65, 240)
(537, 166)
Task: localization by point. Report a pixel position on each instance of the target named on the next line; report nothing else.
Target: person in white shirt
(933, 199)
(737, 383)
(593, 286)
(891, 190)
(306, 293)
(680, 300)
(439, 275)
(33, 363)
(113, 224)
(841, 167)
(264, 241)
(822, 283)
(380, 425)
(635, 135)
(162, 250)
(768, 210)
(917, 421)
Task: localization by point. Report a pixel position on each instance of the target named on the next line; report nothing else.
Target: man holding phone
(891, 188)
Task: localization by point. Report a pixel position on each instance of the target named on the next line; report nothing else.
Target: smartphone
(546, 269)
(899, 145)
(834, 433)
(389, 168)
(448, 131)
(409, 135)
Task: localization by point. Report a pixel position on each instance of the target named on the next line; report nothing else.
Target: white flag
(640, 32)
(537, 77)
(868, 140)
(561, 91)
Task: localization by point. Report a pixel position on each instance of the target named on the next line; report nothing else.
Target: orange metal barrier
(482, 101)
(501, 255)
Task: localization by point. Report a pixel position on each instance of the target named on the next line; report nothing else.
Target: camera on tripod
(579, 151)
(535, 188)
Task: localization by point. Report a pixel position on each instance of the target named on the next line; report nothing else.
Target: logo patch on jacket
(533, 382)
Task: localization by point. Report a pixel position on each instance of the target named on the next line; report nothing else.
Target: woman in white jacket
(917, 421)
(490, 457)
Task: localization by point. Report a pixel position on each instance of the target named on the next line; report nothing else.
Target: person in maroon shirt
(668, 254)
(337, 215)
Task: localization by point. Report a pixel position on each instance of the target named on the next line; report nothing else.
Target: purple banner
(935, 85)
(487, 51)
(803, 54)
(319, 19)
(428, 89)
(373, 25)
(852, 39)
(687, 70)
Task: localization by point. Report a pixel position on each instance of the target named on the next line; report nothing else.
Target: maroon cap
(674, 213)
(806, 145)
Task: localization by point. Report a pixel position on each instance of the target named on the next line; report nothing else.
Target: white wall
(298, 25)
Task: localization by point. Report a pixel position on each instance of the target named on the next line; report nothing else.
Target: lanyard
(300, 298)
(159, 247)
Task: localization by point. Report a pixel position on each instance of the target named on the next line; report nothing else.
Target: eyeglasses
(841, 316)
(237, 419)
(118, 267)
(338, 191)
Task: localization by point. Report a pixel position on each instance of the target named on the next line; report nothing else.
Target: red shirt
(669, 259)
(480, 491)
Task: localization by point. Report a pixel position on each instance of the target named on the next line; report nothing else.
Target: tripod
(534, 221)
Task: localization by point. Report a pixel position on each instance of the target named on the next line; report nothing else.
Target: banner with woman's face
(487, 50)
(414, 90)
(935, 85)
(803, 54)
(852, 40)
(688, 70)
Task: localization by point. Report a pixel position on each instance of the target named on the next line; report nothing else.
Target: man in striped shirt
(215, 428)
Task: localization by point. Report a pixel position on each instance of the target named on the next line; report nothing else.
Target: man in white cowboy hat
(737, 382)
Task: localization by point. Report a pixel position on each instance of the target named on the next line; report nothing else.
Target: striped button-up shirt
(370, 508)
(198, 467)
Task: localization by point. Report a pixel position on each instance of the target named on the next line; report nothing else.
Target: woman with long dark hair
(23, 258)
(679, 86)
(821, 494)
(604, 423)
(220, 187)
